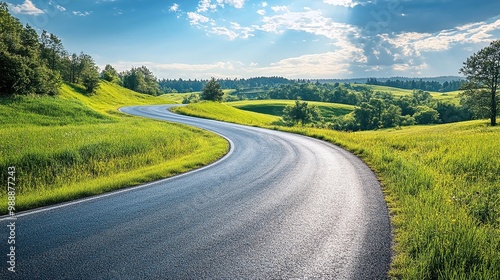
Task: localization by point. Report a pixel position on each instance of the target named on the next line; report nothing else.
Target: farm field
(441, 185)
(73, 145)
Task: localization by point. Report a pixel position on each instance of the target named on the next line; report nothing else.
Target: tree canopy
(33, 64)
(23, 70)
(482, 71)
(212, 91)
(140, 79)
(301, 113)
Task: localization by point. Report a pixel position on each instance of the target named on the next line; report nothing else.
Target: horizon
(329, 39)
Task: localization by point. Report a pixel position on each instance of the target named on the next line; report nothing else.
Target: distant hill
(440, 79)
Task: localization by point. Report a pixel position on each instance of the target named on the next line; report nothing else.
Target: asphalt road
(278, 206)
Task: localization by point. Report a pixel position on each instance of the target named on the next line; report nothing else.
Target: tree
(364, 115)
(141, 79)
(482, 73)
(426, 115)
(52, 50)
(301, 112)
(88, 72)
(212, 91)
(391, 116)
(22, 71)
(109, 74)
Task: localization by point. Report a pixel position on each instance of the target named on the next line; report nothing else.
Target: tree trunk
(493, 108)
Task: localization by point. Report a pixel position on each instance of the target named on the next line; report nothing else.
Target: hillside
(74, 145)
(275, 107)
(451, 97)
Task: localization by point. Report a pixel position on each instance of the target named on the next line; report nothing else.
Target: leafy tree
(140, 79)
(482, 73)
(301, 112)
(391, 116)
(364, 115)
(426, 115)
(52, 50)
(87, 73)
(109, 74)
(421, 97)
(378, 107)
(193, 98)
(212, 91)
(22, 71)
(449, 112)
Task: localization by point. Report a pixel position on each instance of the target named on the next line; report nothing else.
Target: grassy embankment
(73, 145)
(441, 184)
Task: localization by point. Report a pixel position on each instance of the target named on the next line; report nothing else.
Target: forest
(446, 86)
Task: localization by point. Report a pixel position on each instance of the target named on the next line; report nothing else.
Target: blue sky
(293, 39)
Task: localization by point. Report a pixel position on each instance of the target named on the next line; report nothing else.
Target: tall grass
(72, 146)
(443, 190)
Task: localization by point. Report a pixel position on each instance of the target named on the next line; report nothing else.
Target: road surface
(278, 206)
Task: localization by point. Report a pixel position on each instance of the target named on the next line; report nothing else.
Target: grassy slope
(440, 96)
(74, 145)
(441, 184)
(224, 112)
(275, 107)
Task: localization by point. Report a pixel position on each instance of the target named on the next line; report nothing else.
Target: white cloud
(224, 31)
(310, 21)
(185, 70)
(322, 65)
(261, 12)
(211, 5)
(264, 4)
(282, 9)
(174, 8)
(197, 19)
(27, 8)
(413, 43)
(205, 5)
(60, 8)
(238, 4)
(82, 14)
(344, 3)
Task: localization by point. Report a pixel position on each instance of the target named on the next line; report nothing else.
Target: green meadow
(451, 97)
(73, 145)
(441, 184)
(275, 107)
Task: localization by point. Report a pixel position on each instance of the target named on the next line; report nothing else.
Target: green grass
(275, 107)
(451, 97)
(442, 187)
(73, 145)
(224, 112)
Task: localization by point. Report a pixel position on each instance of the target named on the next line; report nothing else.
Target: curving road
(278, 206)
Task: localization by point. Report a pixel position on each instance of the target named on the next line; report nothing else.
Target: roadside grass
(329, 111)
(442, 187)
(224, 112)
(73, 145)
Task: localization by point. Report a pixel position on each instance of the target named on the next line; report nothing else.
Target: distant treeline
(183, 86)
(374, 109)
(420, 84)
